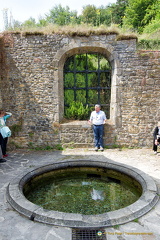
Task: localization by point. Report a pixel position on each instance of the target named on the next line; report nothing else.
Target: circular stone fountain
(146, 187)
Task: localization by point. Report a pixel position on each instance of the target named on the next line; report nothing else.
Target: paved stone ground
(13, 226)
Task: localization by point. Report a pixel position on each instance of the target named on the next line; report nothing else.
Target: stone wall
(31, 87)
(139, 98)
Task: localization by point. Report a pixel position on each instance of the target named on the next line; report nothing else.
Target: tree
(105, 15)
(31, 22)
(135, 13)
(118, 11)
(152, 12)
(61, 15)
(89, 14)
(16, 24)
(152, 19)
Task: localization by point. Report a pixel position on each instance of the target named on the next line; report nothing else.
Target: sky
(22, 10)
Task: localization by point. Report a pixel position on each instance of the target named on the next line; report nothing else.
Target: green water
(80, 194)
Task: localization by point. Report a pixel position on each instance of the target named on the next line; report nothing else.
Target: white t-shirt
(97, 118)
(2, 122)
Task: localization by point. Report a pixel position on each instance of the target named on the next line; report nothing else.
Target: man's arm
(105, 119)
(91, 118)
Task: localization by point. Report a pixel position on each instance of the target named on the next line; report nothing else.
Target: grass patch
(45, 148)
(136, 220)
(16, 128)
(149, 44)
(113, 146)
(12, 145)
(116, 227)
(121, 37)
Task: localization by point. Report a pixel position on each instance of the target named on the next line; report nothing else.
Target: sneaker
(96, 149)
(2, 160)
(5, 155)
(101, 149)
(155, 152)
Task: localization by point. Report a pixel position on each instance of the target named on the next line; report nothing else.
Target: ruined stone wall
(139, 98)
(31, 87)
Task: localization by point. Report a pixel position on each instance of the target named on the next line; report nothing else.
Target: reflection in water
(97, 194)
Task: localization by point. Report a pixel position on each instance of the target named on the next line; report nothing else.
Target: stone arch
(107, 51)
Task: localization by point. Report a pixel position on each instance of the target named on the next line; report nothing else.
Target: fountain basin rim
(34, 212)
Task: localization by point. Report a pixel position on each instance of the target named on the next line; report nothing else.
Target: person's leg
(158, 142)
(3, 142)
(101, 132)
(154, 146)
(5, 145)
(96, 136)
(1, 154)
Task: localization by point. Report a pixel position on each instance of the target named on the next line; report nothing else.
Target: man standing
(98, 119)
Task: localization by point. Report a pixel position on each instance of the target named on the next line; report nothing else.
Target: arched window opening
(87, 79)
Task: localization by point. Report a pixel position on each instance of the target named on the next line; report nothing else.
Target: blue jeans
(98, 131)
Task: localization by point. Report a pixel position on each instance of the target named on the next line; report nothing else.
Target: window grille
(87, 79)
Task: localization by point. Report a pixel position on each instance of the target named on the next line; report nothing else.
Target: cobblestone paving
(13, 226)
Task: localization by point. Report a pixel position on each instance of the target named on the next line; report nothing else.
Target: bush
(149, 44)
(76, 110)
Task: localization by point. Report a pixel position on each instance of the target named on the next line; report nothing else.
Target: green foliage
(31, 22)
(58, 147)
(152, 12)
(116, 227)
(44, 148)
(152, 27)
(77, 111)
(31, 134)
(61, 15)
(149, 44)
(113, 13)
(117, 11)
(154, 24)
(83, 88)
(136, 13)
(136, 220)
(76, 195)
(89, 14)
(16, 128)
(13, 145)
(133, 13)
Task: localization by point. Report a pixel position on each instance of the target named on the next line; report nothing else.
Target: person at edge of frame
(156, 137)
(3, 141)
(98, 119)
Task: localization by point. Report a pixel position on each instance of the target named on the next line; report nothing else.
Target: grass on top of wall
(144, 41)
(74, 30)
